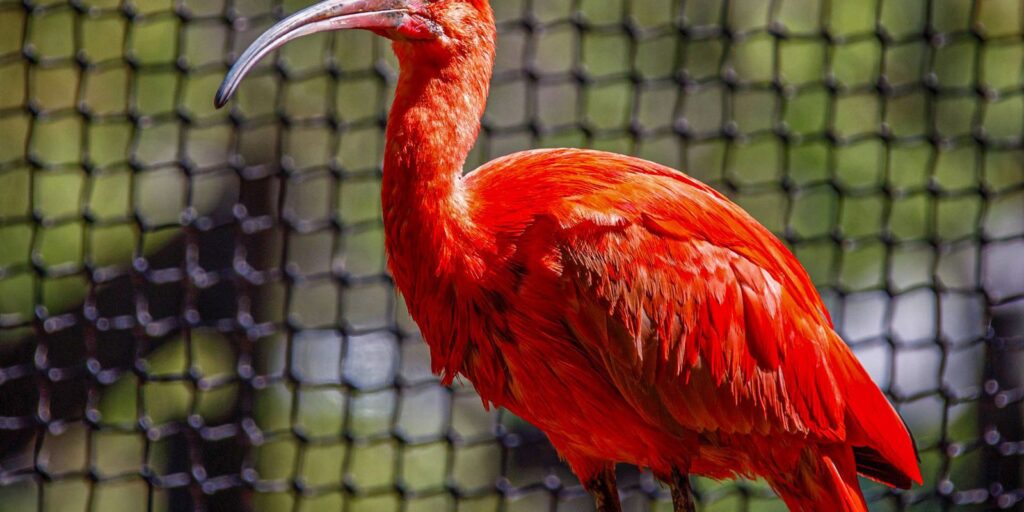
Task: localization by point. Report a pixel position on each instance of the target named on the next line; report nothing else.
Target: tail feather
(878, 445)
(823, 482)
(871, 464)
(845, 486)
(883, 446)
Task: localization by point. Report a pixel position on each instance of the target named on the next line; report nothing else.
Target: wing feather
(713, 317)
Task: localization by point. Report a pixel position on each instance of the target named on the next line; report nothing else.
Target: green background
(914, 238)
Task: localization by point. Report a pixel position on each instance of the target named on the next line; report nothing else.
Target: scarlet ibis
(631, 312)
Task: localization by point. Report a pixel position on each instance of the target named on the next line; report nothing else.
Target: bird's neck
(429, 233)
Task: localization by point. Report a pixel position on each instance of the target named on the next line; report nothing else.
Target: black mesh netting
(194, 310)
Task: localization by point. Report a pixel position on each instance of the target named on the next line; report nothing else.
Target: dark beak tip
(221, 98)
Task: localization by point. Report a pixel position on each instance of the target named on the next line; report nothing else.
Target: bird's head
(428, 30)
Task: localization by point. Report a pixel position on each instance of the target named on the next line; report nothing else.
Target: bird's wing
(706, 333)
(691, 307)
(724, 343)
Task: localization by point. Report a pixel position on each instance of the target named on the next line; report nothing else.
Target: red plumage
(631, 312)
(647, 319)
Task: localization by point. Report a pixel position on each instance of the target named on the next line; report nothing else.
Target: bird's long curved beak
(321, 17)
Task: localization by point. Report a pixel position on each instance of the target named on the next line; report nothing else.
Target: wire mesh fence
(194, 307)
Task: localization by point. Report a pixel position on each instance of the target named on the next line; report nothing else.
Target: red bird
(632, 313)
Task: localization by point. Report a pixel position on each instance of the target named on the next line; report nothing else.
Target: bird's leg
(606, 494)
(682, 494)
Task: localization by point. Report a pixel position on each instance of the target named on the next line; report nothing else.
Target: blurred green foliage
(93, 176)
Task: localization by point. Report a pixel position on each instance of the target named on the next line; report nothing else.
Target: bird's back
(699, 317)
